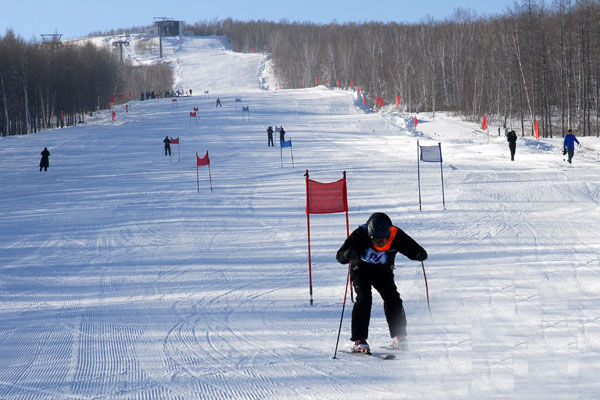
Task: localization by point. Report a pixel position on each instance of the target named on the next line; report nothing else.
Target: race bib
(373, 256)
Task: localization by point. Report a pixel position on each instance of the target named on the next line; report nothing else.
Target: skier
(511, 137)
(281, 135)
(270, 136)
(45, 160)
(219, 103)
(371, 250)
(569, 145)
(167, 143)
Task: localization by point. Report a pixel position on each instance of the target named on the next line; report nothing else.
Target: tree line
(53, 83)
(536, 62)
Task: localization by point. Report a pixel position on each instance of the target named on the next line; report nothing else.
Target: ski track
(120, 281)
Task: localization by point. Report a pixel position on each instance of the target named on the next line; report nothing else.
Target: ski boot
(399, 343)
(361, 346)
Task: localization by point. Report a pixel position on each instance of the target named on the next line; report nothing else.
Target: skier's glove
(352, 255)
(564, 151)
(421, 255)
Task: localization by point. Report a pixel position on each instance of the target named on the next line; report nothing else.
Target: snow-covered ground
(119, 280)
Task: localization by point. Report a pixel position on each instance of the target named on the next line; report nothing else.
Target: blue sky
(76, 18)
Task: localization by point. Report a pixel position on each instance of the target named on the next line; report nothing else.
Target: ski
(400, 349)
(382, 356)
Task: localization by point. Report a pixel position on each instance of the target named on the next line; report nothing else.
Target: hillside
(123, 276)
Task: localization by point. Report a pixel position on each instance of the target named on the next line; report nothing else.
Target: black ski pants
(380, 277)
(513, 148)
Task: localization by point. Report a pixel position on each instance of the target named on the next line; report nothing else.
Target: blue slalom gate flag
(283, 144)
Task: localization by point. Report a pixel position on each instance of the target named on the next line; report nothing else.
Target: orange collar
(388, 244)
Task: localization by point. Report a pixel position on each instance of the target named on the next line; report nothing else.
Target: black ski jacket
(511, 137)
(360, 250)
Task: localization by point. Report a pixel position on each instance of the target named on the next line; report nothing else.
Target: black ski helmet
(378, 226)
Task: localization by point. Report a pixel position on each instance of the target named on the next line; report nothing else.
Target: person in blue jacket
(569, 145)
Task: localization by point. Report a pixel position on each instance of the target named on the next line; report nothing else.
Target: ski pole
(342, 317)
(426, 288)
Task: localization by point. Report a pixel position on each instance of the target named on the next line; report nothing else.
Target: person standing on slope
(270, 137)
(371, 249)
(511, 137)
(281, 135)
(167, 143)
(45, 160)
(569, 145)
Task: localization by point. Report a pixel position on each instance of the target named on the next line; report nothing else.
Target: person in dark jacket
(569, 145)
(270, 137)
(219, 103)
(371, 250)
(45, 160)
(281, 135)
(167, 143)
(511, 137)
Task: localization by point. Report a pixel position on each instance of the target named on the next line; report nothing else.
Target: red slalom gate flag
(325, 198)
(537, 130)
(175, 140)
(114, 114)
(484, 124)
(199, 162)
(416, 121)
(397, 101)
(202, 161)
(192, 113)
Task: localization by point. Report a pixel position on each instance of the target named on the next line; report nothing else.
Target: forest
(536, 64)
(54, 84)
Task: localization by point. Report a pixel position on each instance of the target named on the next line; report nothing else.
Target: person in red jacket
(371, 250)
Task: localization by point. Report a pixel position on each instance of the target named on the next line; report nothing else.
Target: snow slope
(120, 280)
